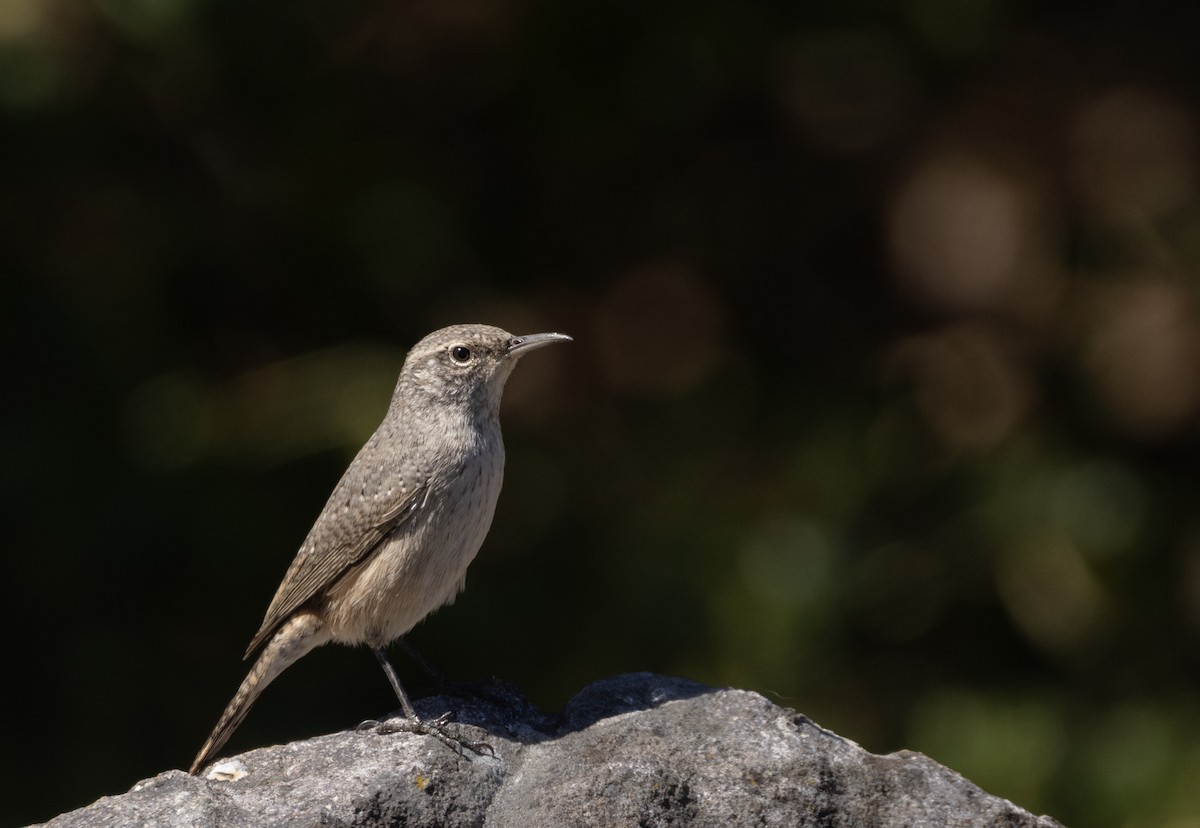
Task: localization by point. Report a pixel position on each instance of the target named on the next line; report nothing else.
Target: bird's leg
(425, 665)
(390, 671)
(413, 723)
(479, 689)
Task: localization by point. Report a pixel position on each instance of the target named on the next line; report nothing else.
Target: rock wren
(394, 541)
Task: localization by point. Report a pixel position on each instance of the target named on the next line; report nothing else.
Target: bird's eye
(460, 354)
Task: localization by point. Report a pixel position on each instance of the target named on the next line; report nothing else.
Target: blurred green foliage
(883, 401)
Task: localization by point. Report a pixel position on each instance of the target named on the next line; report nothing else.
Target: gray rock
(636, 749)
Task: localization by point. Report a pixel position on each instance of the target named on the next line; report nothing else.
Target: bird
(407, 517)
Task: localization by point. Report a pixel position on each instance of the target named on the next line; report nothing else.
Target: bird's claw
(428, 727)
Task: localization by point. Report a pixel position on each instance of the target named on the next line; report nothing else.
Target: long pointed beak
(520, 345)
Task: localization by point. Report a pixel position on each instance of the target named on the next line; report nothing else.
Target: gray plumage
(395, 538)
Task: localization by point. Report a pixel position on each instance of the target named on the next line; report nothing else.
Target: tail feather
(294, 638)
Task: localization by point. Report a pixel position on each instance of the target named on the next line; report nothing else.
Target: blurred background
(884, 400)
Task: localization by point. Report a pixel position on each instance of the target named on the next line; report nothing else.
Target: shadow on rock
(502, 710)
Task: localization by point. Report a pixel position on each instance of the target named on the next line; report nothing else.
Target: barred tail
(295, 637)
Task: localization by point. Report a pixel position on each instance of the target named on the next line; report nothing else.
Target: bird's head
(467, 365)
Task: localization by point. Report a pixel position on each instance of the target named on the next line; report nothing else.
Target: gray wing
(345, 533)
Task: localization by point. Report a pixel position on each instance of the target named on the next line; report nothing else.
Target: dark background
(883, 400)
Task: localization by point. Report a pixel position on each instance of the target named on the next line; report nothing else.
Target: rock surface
(636, 749)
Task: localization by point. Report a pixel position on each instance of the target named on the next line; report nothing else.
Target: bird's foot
(428, 727)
